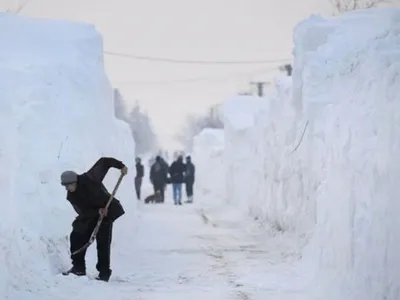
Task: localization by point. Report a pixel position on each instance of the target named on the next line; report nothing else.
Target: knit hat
(68, 177)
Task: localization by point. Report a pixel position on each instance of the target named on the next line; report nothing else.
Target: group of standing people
(161, 174)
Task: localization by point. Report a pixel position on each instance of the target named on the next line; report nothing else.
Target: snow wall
(56, 113)
(264, 160)
(208, 147)
(317, 157)
(346, 81)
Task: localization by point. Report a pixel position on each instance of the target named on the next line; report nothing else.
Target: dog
(154, 198)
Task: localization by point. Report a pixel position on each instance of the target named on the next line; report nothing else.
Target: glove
(124, 170)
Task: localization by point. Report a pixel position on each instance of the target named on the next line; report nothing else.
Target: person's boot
(78, 271)
(104, 275)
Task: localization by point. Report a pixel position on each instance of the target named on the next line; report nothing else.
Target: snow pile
(347, 81)
(208, 149)
(263, 154)
(56, 113)
(242, 132)
(319, 157)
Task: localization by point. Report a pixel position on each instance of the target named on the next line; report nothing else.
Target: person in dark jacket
(88, 196)
(138, 177)
(177, 171)
(158, 177)
(166, 167)
(189, 178)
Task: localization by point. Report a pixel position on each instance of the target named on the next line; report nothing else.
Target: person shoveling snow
(92, 202)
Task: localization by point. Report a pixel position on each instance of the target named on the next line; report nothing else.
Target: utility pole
(287, 68)
(260, 87)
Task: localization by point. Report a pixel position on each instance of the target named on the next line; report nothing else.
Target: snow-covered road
(175, 253)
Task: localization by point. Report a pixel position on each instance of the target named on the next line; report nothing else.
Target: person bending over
(88, 196)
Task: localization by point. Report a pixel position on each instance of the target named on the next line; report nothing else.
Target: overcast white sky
(185, 29)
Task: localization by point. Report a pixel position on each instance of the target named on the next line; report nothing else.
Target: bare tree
(142, 131)
(342, 6)
(119, 106)
(194, 124)
(18, 7)
(139, 123)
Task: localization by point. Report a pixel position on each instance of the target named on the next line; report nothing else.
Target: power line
(200, 79)
(178, 61)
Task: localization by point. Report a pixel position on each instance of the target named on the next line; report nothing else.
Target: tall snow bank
(56, 113)
(263, 158)
(240, 115)
(346, 79)
(208, 150)
(318, 156)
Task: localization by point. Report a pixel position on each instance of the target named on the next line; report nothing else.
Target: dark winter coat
(139, 170)
(91, 194)
(189, 172)
(177, 171)
(158, 174)
(165, 165)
